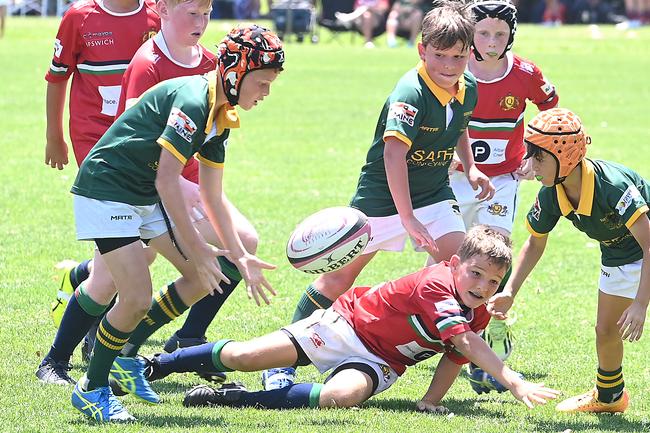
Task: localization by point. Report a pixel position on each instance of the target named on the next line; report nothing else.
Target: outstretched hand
(532, 394)
(208, 269)
(256, 284)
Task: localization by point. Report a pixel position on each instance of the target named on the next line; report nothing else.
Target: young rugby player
(371, 334)
(496, 128)
(609, 203)
(130, 182)
(403, 187)
(173, 52)
(94, 44)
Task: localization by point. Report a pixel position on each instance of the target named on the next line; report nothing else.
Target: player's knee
(249, 240)
(342, 397)
(607, 331)
(333, 284)
(240, 356)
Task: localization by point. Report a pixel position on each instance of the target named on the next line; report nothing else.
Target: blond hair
(448, 23)
(173, 3)
(481, 240)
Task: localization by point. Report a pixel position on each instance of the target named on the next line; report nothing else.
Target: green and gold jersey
(178, 115)
(430, 121)
(612, 198)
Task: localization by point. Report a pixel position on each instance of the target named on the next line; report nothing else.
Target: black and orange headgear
(243, 50)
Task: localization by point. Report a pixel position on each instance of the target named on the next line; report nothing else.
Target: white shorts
(388, 233)
(329, 342)
(496, 212)
(621, 280)
(110, 219)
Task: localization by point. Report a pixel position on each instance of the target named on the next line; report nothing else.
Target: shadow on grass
(603, 422)
(459, 407)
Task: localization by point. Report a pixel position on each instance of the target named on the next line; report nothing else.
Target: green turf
(296, 153)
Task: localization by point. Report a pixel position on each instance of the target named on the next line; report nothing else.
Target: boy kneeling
(370, 335)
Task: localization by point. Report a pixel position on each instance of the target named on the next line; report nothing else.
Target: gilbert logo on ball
(328, 240)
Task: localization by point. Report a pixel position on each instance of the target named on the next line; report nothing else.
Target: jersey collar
(586, 192)
(225, 116)
(441, 94)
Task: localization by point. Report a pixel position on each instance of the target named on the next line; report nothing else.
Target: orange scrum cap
(559, 132)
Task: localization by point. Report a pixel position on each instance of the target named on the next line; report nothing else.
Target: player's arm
(56, 149)
(194, 246)
(530, 253)
(476, 350)
(395, 151)
(475, 176)
(446, 373)
(633, 318)
(214, 199)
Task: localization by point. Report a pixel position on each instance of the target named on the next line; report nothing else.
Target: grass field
(298, 152)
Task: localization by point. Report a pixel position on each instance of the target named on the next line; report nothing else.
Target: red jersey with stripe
(153, 63)
(496, 127)
(412, 318)
(95, 46)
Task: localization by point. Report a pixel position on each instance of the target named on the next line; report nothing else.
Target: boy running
(609, 203)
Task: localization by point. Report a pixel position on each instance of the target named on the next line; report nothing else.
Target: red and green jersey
(95, 46)
(153, 63)
(612, 198)
(427, 119)
(411, 319)
(178, 115)
(496, 127)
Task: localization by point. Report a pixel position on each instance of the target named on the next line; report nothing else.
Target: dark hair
(447, 23)
(533, 151)
(481, 240)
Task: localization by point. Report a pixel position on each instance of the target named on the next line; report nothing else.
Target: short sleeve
(184, 121)
(629, 204)
(67, 46)
(541, 91)
(445, 314)
(477, 325)
(404, 115)
(542, 218)
(213, 152)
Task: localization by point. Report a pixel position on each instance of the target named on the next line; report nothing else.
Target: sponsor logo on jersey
(433, 158)
(498, 209)
(429, 129)
(528, 67)
(403, 112)
(98, 39)
(182, 124)
(58, 48)
(536, 211)
(153, 165)
(316, 340)
(547, 87)
(447, 305)
(149, 34)
(509, 102)
(627, 199)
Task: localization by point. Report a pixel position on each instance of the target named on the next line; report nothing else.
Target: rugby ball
(328, 240)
